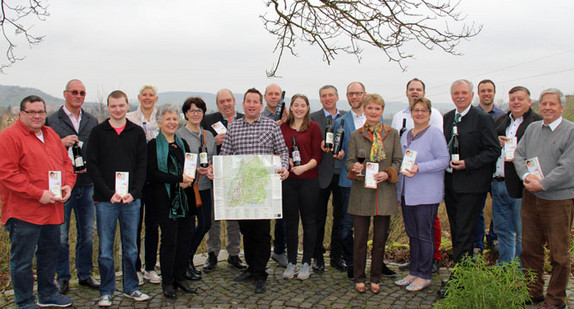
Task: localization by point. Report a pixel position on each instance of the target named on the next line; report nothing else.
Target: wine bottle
(203, 162)
(339, 138)
(404, 127)
(280, 107)
(79, 164)
(455, 145)
(329, 133)
(296, 155)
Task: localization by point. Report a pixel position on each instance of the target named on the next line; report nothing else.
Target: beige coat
(383, 200)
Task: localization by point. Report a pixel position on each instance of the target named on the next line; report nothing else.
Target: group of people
(456, 158)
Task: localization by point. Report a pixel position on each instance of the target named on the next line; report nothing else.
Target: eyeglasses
(420, 111)
(196, 111)
(76, 92)
(355, 94)
(35, 113)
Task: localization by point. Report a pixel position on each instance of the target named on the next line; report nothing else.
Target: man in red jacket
(37, 178)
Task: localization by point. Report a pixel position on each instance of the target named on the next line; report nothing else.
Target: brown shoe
(360, 287)
(375, 288)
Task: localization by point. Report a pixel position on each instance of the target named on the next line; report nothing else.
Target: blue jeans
(83, 205)
(346, 227)
(107, 216)
(506, 214)
(26, 239)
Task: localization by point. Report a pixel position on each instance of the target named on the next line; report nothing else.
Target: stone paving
(330, 289)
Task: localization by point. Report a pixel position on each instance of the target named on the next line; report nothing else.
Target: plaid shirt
(261, 137)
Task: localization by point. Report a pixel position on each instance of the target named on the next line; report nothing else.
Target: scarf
(179, 207)
(377, 149)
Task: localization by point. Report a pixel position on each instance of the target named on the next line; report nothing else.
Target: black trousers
(256, 246)
(174, 247)
(321, 217)
(299, 199)
(463, 210)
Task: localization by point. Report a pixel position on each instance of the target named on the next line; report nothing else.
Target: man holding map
(255, 135)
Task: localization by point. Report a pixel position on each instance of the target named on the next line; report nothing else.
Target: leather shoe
(260, 287)
(242, 277)
(338, 264)
(169, 291)
(435, 266)
(90, 282)
(236, 262)
(192, 273)
(319, 265)
(360, 287)
(211, 262)
(184, 286)
(63, 286)
(375, 288)
(387, 272)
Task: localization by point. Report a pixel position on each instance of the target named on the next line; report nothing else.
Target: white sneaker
(304, 272)
(105, 301)
(290, 271)
(152, 277)
(140, 278)
(137, 296)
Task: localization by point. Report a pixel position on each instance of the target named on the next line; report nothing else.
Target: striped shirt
(262, 137)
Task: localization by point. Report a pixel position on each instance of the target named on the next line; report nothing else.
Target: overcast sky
(182, 45)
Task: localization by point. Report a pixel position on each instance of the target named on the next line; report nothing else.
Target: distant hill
(12, 95)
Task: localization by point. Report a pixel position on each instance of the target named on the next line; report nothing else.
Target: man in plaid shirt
(258, 135)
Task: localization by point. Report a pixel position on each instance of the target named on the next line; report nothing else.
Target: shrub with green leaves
(477, 285)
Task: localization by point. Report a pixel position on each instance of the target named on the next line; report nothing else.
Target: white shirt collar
(554, 123)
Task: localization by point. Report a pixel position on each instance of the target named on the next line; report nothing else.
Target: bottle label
(203, 158)
(329, 136)
(296, 156)
(79, 162)
(455, 157)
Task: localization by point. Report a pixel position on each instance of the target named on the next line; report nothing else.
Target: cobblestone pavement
(330, 289)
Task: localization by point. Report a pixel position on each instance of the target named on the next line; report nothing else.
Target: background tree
(16, 25)
(344, 25)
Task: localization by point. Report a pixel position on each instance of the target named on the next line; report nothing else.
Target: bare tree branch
(14, 18)
(345, 25)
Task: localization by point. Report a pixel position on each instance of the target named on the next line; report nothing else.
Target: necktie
(457, 117)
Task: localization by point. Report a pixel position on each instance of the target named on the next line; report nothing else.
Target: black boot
(169, 291)
(192, 273)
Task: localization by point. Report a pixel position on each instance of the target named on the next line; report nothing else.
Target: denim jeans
(506, 215)
(81, 202)
(346, 227)
(107, 216)
(26, 240)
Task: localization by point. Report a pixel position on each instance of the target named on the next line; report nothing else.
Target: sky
(203, 46)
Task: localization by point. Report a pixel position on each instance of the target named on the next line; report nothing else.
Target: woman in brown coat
(381, 144)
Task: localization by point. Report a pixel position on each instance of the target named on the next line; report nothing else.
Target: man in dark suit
(506, 185)
(468, 179)
(226, 105)
(328, 183)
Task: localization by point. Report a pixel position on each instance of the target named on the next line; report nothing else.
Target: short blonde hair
(150, 87)
(373, 98)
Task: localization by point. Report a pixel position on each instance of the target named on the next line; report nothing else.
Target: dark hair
(193, 100)
(253, 90)
(519, 88)
(329, 87)
(307, 120)
(31, 99)
(117, 94)
(416, 80)
(486, 81)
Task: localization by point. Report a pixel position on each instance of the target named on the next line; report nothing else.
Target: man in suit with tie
(468, 179)
(73, 125)
(226, 105)
(328, 183)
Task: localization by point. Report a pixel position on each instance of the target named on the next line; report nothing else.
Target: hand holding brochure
(370, 171)
(509, 148)
(55, 183)
(122, 183)
(219, 128)
(408, 160)
(190, 164)
(533, 166)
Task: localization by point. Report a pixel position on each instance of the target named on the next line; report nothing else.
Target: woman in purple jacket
(420, 190)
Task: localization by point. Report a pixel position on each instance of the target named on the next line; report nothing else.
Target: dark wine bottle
(295, 154)
(280, 107)
(455, 145)
(404, 127)
(329, 133)
(203, 162)
(79, 164)
(339, 138)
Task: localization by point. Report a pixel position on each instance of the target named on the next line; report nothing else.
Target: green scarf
(179, 207)
(377, 149)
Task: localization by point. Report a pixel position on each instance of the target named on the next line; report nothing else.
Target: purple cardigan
(427, 186)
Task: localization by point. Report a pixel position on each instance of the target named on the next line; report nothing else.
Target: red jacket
(24, 165)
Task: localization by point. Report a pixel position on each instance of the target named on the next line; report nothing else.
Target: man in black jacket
(506, 185)
(117, 158)
(73, 125)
